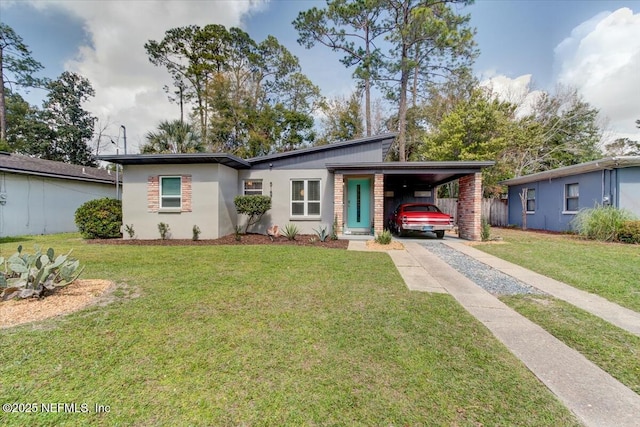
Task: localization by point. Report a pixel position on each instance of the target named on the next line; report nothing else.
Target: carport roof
(434, 173)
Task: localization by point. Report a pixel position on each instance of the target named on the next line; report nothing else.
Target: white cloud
(128, 87)
(601, 58)
(516, 91)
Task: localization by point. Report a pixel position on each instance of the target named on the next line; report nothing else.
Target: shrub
(255, 206)
(36, 275)
(238, 233)
(164, 230)
(485, 231)
(384, 238)
(601, 223)
(630, 232)
(322, 234)
(334, 229)
(196, 233)
(290, 231)
(100, 218)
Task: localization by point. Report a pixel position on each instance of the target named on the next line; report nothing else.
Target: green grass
(264, 336)
(610, 270)
(614, 350)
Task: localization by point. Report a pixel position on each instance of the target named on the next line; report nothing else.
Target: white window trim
(566, 198)
(161, 197)
(244, 189)
(534, 201)
(305, 201)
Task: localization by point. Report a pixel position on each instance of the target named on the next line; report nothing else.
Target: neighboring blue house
(554, 197)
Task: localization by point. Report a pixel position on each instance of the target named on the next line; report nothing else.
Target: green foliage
(342, 120)
(334, 229)
(255, 206)
(196, 233)
(130, 231)
(321, 233)
(36, 275)
(100, 218)
(485, 231)
(629, 232)
(601, 223)
(290, 231)
(384, 238)
(163, 229)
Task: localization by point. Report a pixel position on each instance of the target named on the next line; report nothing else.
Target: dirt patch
(245, 239)
(394, 245)
(77, 295)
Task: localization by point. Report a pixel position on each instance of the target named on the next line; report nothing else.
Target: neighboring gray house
(554, 197)
(41, 196)
(346, 181)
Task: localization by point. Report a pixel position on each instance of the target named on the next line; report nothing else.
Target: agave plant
(36, 275)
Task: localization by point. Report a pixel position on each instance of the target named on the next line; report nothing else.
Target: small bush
(384, 238)
(334, 229)
(238, 233)
(601, 223)
(290, 231)
(485, 231)
(100, 219)
(630, 232)
(164, 230)
(255, 206)
(196, 233)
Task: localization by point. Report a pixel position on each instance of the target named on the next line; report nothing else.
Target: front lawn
(610, 270)
(264, 335)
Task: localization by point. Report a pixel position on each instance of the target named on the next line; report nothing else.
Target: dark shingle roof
(17, 163)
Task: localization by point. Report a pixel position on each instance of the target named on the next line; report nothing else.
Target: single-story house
(347, 182)
(554, 197)
(41, 196)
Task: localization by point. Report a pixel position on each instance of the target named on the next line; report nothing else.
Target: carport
(401, 182)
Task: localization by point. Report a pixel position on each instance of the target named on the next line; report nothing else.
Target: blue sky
(525, 45)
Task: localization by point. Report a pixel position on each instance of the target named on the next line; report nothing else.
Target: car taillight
(404, 219)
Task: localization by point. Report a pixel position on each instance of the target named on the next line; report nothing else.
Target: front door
(358, 203)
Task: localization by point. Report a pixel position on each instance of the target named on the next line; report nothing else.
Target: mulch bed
(245, 239)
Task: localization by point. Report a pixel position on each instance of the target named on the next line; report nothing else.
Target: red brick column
(338, 201)
(470, 207)
(378, 203)
(153, 193)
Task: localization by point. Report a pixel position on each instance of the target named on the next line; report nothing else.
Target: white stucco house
(41, 196)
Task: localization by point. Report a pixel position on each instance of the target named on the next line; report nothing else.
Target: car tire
(440, 234)
(401, 232)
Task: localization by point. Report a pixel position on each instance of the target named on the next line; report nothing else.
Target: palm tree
(173, 137)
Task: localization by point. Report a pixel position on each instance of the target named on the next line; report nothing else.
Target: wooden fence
(495, 210)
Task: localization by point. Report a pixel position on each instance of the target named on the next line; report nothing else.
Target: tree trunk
(523, 201)
(3, 107)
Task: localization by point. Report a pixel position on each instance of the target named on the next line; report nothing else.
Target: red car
(420, 217)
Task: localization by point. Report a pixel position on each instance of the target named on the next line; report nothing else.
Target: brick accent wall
(378, 203)
(338, 200)
(470, 207)
(186, 193)
(153, 193)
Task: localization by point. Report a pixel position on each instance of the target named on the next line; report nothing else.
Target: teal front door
(358, 203)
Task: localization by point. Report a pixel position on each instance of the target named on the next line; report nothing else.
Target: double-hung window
(571, 195)
(305, 198)
(531, 199)
(252, 187)
(170, 192)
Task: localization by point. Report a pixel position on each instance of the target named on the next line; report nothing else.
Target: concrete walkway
(596, 398)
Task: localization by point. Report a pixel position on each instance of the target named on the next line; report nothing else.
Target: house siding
(549, 212)
(629, 189)
(42, 205)
(370, 152)
(208, 205)
(277, 184)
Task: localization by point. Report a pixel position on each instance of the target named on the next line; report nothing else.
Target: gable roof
(596, 165)
(20, 164)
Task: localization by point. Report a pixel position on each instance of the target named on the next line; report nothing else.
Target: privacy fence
(495, 210)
